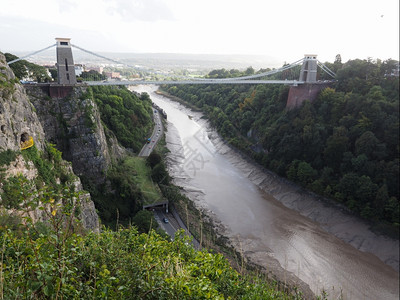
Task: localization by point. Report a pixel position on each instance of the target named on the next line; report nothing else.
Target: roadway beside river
(171, 222)
(158, 131)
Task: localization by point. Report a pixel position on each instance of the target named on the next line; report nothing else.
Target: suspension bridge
(66, 71)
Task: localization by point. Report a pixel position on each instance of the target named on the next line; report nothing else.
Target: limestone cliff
(71, 120)
(19, 122)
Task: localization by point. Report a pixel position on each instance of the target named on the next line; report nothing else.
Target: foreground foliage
(51, 260)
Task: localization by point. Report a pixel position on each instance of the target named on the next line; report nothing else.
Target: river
(274, 223)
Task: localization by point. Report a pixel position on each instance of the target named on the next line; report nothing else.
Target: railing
(27, 144)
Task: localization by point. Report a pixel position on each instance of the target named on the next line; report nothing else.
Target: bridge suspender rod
(326, 69)
(273, 71)
(256, 75)
(33, 53)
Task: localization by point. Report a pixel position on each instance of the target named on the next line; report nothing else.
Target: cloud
(67, 5)
(20, 34)
(140, 10)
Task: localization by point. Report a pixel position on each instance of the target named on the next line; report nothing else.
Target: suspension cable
(33, 53)
(326, 69)
(256, 75)
(101, 56)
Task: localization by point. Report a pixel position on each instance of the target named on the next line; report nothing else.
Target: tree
(144, 96)
(336, 146)
(366, 191)
(366, 144)
(54, 74)
(19, 68)
(38, 73)
(337, 65)
(349, 184)
(392, 211)
(249, 71)
(381, 199)
(305, 173)
(159, 174)
(145, 221)
(291, 173)
(92, 75)
(153, 159)
(24, 69)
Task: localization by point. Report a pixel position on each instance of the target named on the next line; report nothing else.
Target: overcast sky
(283, 29)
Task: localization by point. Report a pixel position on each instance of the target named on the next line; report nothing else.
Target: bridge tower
(308, 71)
(311, 88)
(65, 62)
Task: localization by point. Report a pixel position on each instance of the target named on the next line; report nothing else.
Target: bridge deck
(211, 81)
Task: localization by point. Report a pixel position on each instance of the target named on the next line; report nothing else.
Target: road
(156, 135)
(169, 227)
(174, 224)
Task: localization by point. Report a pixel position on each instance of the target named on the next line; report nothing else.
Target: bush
(153, 159)
(16, 190)
(6, 157)
(58, 263)
(145, 221)
(159, 174)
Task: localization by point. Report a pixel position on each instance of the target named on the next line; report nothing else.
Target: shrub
(6, 157)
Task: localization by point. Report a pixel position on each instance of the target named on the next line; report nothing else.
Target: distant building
(78, 69)
(97, 69)
(113, 75)
(65, 62)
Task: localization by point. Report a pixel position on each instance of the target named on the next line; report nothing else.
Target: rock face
(72, 122)
(18, 120)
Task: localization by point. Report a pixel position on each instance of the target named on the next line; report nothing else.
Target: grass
(151, 192)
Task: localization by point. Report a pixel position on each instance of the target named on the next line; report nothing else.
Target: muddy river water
(274, 223)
